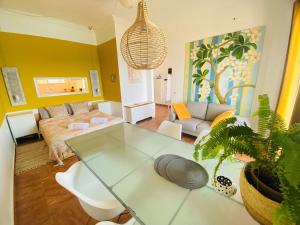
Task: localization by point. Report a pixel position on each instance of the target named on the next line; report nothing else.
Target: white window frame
(6, 71)
(61, 94)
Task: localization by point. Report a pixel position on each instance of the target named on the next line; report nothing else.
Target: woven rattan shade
(143, 45)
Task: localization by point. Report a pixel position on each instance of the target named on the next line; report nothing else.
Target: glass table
(122, 157)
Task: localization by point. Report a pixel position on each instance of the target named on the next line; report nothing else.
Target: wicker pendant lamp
(143, 45)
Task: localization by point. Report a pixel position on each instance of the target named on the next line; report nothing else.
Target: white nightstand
(105, 107)
(22, 124)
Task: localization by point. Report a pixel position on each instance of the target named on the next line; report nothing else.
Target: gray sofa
(202, 116)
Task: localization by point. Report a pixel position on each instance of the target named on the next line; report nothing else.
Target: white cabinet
(110, 108)
(137, 112)
(22, 124)
(162, 90)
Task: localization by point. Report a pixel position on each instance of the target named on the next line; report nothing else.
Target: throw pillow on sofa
(181, 111)
(223, 116)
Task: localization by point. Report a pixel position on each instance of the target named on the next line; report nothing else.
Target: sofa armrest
(172, 116)
(242, 119)
(202, 134)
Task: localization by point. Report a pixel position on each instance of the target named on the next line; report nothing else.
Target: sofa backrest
(213, 110)
(197, 109)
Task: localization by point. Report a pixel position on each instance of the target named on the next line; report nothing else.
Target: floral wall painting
(223, 69)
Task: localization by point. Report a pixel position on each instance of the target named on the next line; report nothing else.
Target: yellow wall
(2, 112)
(2, 93)
(109, 65)
(45, 57)
(291, 80)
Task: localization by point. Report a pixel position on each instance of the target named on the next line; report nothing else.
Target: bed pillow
(57, 111)
(43, 113)
(80, 107)
(69, 109)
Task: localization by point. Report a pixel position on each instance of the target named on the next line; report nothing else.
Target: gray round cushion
(186, 173)
(160, 158)
(162, 163)
(181, 171)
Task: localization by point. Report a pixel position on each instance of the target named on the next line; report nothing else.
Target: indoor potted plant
(270, 184)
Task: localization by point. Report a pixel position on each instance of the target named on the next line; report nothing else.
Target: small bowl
(225, 186)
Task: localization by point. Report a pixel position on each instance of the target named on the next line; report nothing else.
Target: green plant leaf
(231, 47)
(199, 81)
(200, 55)
(205, 72)
(205, 52)
(241, 39)
(223, 50)
(221, 58)
(201, 64)
(238, 52)
(196, 61)
(253, 45)
(246, 48)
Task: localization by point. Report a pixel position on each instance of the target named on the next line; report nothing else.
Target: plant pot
(261, 186)
(261, 208)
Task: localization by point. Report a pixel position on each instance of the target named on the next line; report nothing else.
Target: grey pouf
(181, 171)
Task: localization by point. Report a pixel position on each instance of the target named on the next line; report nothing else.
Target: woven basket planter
(261, 208)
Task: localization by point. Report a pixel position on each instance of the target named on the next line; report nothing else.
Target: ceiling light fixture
(143, 45)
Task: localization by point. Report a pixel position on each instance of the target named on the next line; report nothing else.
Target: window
(56, 86)
(14, 86)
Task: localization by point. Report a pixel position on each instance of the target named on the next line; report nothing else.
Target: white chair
(130, 222)
(94, 198)
(170, 129)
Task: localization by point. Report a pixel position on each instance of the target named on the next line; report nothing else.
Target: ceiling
(96, 13)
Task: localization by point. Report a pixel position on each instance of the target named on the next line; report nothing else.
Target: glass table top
(122, 157)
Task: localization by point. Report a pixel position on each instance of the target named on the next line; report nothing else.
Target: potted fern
(270, 184)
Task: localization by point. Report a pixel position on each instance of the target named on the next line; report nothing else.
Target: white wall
(137, 92)
(7, 159)
(30, 24)
(196, 19)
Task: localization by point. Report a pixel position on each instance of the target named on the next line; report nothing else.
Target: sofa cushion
(213, 110)
(197, 109)
(189, 124)
(223, 116)
(203, 125)
(181, 111)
